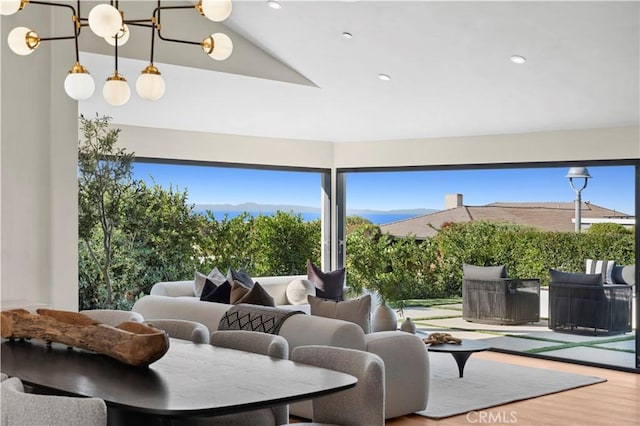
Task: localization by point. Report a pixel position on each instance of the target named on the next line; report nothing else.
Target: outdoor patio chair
(489, 297)
(20, 408)
(581, 301)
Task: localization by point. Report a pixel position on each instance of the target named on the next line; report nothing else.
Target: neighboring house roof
(548, 216)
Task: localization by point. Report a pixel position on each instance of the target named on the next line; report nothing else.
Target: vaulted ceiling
(294, 75)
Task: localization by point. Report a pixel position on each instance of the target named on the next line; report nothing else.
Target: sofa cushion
(214, 293)
(257, 295)
(238, 291)
(240, 276)
(215, 276)
(604, 267)
(575, 278)
(473, 272)
(329, 285)
(298, 290)
(357, 310)
(624, 274)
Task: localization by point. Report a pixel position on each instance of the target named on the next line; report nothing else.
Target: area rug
(488, 383)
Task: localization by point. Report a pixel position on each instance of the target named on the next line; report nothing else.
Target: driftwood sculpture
(130, 342)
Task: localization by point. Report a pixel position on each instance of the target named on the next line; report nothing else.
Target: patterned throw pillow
(604, 267)
(329, 285)
(357, 310)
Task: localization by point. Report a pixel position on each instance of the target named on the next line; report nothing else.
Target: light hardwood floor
(615, 402)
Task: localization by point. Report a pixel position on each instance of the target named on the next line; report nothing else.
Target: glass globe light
(218, 46)
(122, 36)
(9, 7)
(23, 41)
(116, 90)
(150, 84)
(216, 10)
(105, 20)
(79, 85)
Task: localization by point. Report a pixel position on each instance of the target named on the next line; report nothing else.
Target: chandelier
(108, 22)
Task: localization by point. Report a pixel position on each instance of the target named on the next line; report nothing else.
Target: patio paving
(528, 338)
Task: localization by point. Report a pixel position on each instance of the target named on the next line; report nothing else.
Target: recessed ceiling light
(274, 4)
(384, 77)
(517, 59)
(347, 35)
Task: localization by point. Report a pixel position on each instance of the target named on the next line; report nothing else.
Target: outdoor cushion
(240, 276)
(575, 278)
(604, 267)
(624, 274)
(473, 272)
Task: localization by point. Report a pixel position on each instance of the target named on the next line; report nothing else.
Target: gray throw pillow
(215, 276)
(257, 296)
(575, 278)
(473, 272)
(357, 310)
(329, 285)
(239, 275)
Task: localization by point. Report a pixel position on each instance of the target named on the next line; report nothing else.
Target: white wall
(38, 171)
(568, 145)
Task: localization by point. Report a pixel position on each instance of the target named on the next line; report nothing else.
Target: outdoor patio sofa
(489, 297)
(581, 301)
(405, 356)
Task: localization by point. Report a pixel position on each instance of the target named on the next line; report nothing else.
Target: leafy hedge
(433, 267)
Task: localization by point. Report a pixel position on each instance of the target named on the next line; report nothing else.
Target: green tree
(104, 179)
(283, 242)
(608, 228)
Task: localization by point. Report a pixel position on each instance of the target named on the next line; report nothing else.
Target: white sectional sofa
(405, 356)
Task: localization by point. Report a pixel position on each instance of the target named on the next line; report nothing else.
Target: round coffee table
(460, 352)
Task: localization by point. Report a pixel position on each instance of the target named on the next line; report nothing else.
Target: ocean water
(375, 218)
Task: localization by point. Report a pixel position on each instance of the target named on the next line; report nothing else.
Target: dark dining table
(189, 380)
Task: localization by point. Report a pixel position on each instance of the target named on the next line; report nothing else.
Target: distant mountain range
(255, 207)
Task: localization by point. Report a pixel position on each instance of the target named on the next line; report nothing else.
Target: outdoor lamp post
(578, 173)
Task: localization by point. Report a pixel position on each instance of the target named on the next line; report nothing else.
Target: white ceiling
(448, 62)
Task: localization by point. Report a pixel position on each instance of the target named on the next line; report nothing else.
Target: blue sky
(611, 187)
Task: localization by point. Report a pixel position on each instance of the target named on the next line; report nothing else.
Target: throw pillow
(357, 310)
(473, 272)
(298, 290)
(575, 278)
(258, 296)
(238, 291)
(329, 285)
(604, 267)
(215, 276)
(240, 276)
(214, 293)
